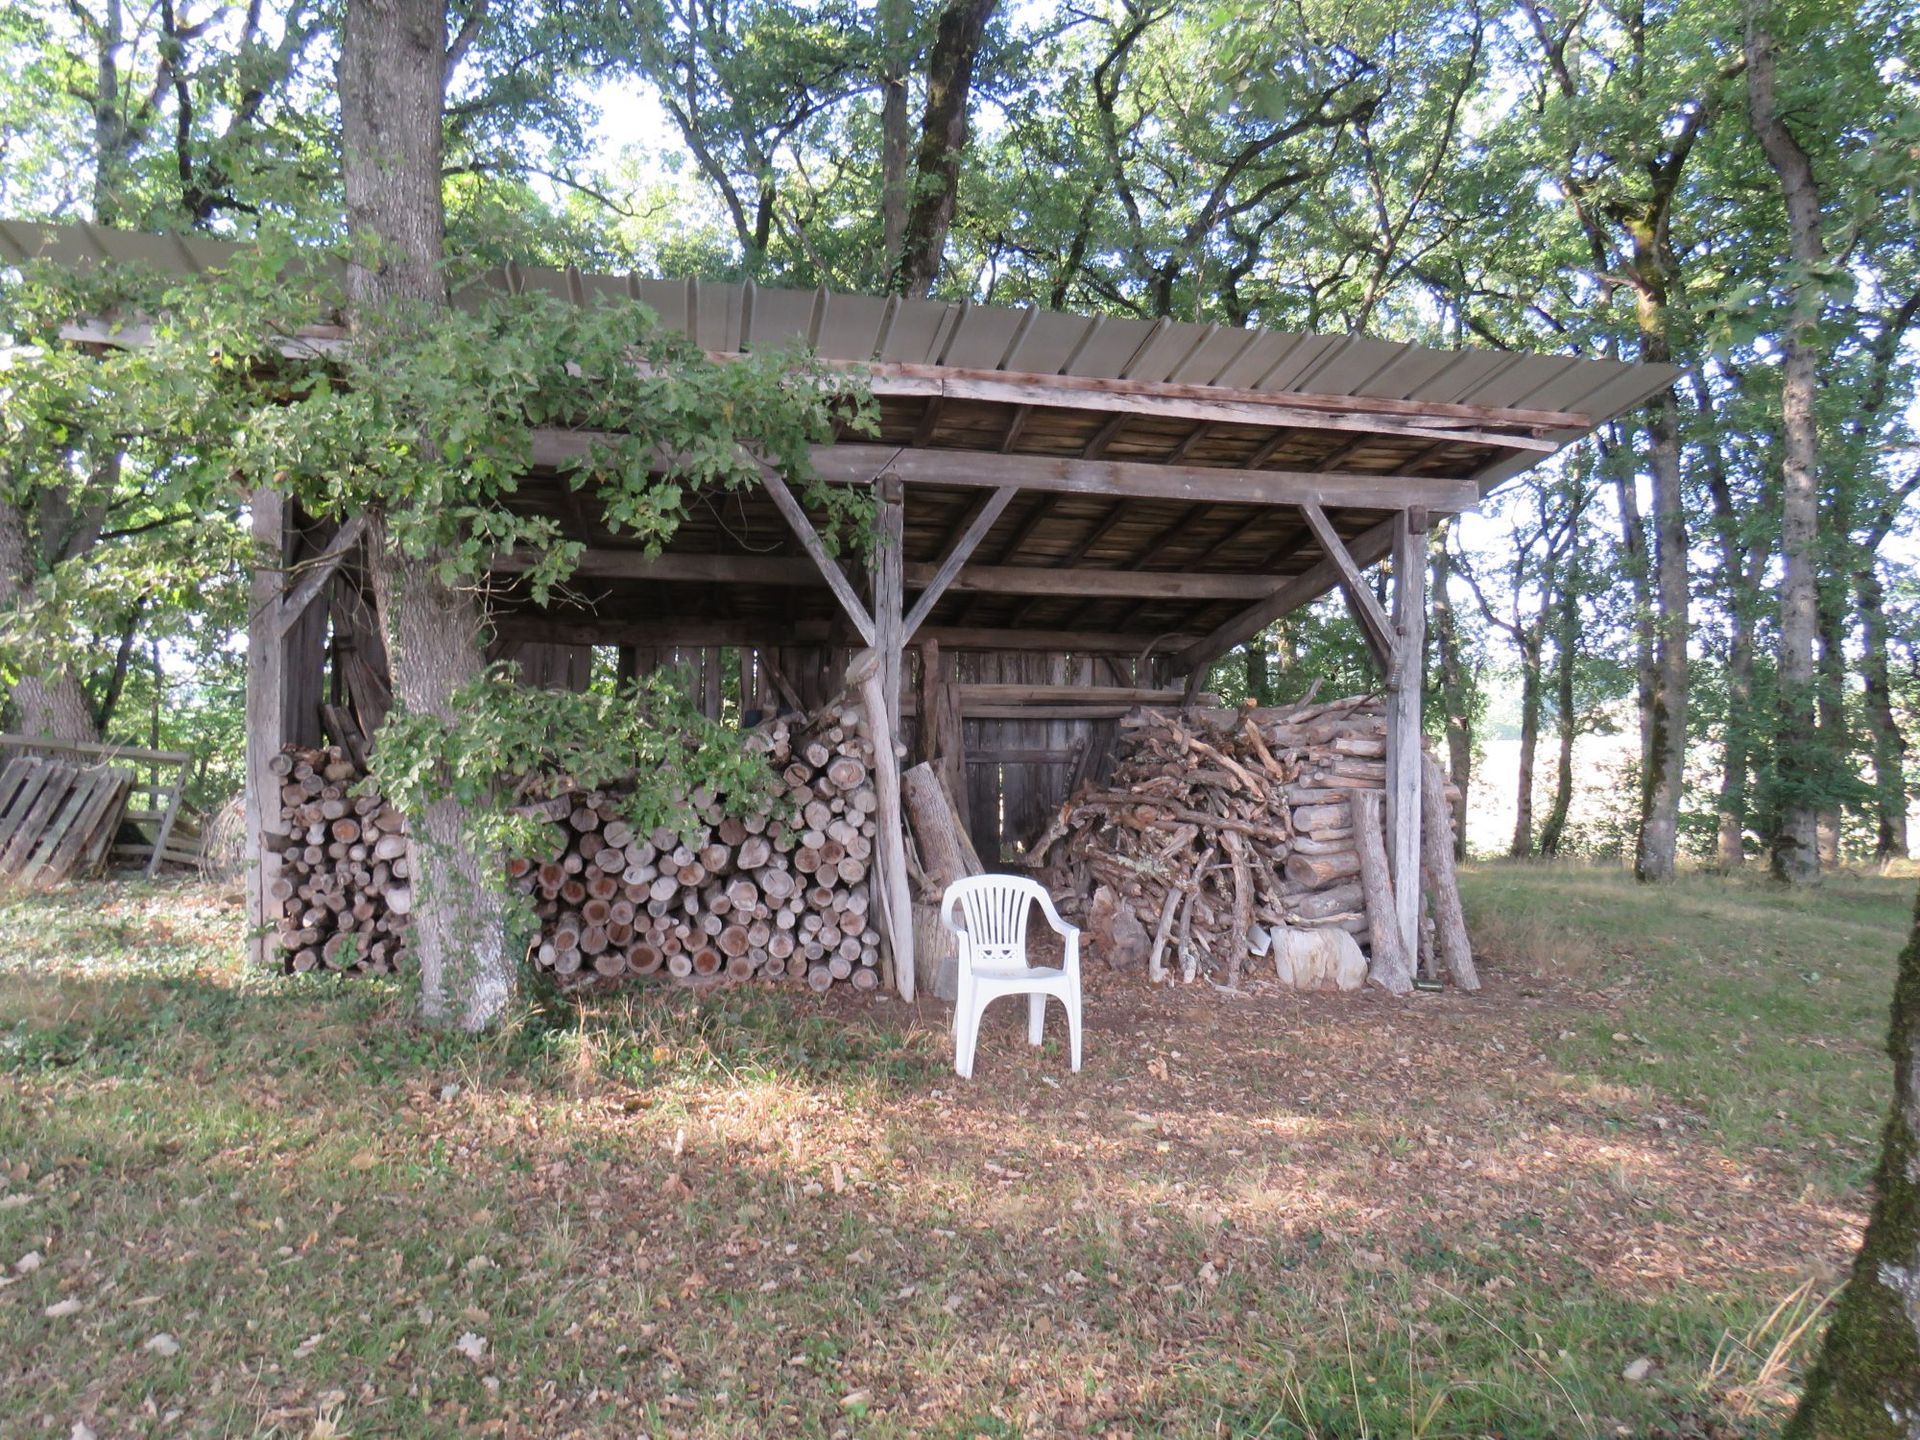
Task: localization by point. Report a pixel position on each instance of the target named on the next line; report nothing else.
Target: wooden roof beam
(1205, 402)
(1129, 479)
(607, 630)
(798, 572)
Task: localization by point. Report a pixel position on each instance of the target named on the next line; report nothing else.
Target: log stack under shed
(775, 890)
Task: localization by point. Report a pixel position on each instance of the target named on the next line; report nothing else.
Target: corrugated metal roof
(725, 316)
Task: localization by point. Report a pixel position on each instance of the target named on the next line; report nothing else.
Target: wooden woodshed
(1078, 514)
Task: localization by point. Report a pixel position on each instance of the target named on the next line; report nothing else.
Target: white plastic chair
(993, 960)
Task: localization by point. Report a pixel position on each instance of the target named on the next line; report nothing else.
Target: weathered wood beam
(1103, 437)
(849, 464)
(1366, 608)
(1132, 479)
(985, 513)
(576, 629)
(799, 573)
(1187, 443)
(810, 540)
(1016, 424)
(1303, 589)
(315, 574)
(1294, 409)
(1404, 753)
(929, 421)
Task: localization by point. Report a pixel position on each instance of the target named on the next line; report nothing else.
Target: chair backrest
(995, 908)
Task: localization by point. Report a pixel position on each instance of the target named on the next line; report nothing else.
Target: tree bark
(392, 82)
(895, 16)
(943, 139)
(1633, 537)
(1866, 1383)
(1530, 662)
(1889, 745)
(1257, 669)
(1734, 762)
(1456, 690)
(1795, 854)
(1831, 712)
(47, 701)
(1663, 775)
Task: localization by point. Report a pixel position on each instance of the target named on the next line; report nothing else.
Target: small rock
(81, 1431)
(164, 1345)
(447, 1092)
(1638, 1370)
(29, 1262)
(60, 1309)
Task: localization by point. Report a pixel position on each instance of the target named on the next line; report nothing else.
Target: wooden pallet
(57, 819)
(161, 826)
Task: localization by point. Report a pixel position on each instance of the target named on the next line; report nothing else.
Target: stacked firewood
(776, 890)
(343, 889)
(780, 892)
(1218, 827)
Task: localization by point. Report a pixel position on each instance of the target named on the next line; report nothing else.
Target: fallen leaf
(29, 1262)
(1638, 1370)
(164, 1345)
(60, 1309)
(472, 1346)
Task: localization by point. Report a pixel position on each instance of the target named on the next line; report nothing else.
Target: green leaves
(647, 741)
(433, 422)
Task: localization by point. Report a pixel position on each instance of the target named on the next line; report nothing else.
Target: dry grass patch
(1278, 1216)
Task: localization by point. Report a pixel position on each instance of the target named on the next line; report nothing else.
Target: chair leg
(1073, 1028)
(966, 1031)
(1036, 1018)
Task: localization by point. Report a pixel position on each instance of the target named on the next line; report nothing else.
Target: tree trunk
(1456, 690)
(1633, 537)
(392, 82)
(1866, 1383)
(943, 139)
(1257, 669)
(1794, 843)
(1664, 774)
(46, 701)
(895, 17)
(1889, 745)
(1734, 760)
(1566, 642)
(1522, 847)
(1830, 702)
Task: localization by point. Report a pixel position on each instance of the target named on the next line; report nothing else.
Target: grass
(272, 1207)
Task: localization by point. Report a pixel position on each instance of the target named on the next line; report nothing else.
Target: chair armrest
(1072, 936)
(1060, 927)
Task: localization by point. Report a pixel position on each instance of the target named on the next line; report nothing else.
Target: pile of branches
(1218, 828)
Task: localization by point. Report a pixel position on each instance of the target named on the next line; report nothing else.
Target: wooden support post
(889, 590)
(890, 851)
(1404, 752)
(266, 720)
